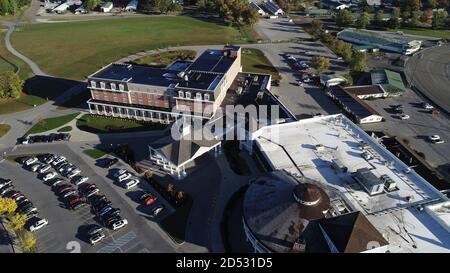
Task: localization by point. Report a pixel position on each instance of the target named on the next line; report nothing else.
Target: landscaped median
(102, 124)
(4, 129)
(94, 153)
(254, 60)
(51, 123)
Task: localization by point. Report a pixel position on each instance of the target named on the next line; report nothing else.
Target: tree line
(235, 12)
(12, 7)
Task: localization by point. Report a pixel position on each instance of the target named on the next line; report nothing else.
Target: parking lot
(67, 228)
(416, 129)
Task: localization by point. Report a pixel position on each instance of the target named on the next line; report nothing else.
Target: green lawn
(94, 153)
(101, 124)
(175, 224)
(165, 58)
(76, 49)
(65, 129)
(51, 123)
(437, 33)
(253, 60)
(4, 128)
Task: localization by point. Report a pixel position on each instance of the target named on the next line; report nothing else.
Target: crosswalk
(118, 243)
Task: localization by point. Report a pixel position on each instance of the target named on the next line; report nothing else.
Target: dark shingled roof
(351, 232)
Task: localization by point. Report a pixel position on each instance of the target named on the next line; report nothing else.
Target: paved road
(429, 72)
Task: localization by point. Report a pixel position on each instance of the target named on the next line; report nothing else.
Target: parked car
(123, 177)
(110, 162)
(77, 205)
(80, 180)
(147, 198)
(427, 106)
(157, 210)
(38, 224)
(404, 116)
(58, 160)
(97, 237)
(128, 184)
(5, 182)
(436, 139)
(68, 193)
(94, 229)
(74, 173)
(4, 190)
(119, 173)
(43, 168)
(119, 224)
(57, 182)
(30, 161)
(49, 176)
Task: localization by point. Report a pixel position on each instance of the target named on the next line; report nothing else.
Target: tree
(363, 20)
(358, 62)
(170, 188)
(415, 4)
(27, 241)
(394, 22)
(378, 20)
(238, 12)
(316, 28)
(10, 85)
(414, 19)
(443, 4)
(348, 79)
(365, 7)
(439, 18)
(180, 195)
(405, 16)
(320, 64)
(7, 206)
(344, 18)
(427, 16)
(17, 221)
(432, 4)
(91, 4)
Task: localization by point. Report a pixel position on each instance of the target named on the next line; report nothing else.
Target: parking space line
(118, 243)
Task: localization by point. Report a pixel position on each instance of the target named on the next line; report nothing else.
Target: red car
(147, 198)
(74, 200)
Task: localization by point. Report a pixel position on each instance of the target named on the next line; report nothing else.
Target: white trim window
(198, 96)
(93, 84)
(102, 85)
(113, 86)
(206, 97)
(180, 94)
(188, 95)
(121, 87)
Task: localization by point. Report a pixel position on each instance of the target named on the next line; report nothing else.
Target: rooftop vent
(320, 147)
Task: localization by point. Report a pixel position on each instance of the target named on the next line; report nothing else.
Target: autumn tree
(17, 221)
(427, 16)
(27, 241)
(10, 85)
(7, 206)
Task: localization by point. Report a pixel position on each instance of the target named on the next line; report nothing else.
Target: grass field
(74, 50)
(4, 128)
(101, 124)
(165, 58)
(94, 153)
(253, 60)
(65, 129)
(437, 33)
(51, 123)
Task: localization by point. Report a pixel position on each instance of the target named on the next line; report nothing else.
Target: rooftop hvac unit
(260, 95)
(239, 90)
(181, 74)
(338, 166)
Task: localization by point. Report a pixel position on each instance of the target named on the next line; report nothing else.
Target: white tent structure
(107, 7)
(61, 8)
(132, 6)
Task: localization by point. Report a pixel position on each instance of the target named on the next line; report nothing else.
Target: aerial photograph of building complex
(224, 126)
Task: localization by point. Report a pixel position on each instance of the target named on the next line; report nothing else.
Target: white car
(58, 160)
(300, 83)
(80, 180)
(436, 139)
(73, 173)
(97, 237)
(119, 224)
(31, 161)
(35, 167)
(157, 210)
(44, 168)
(306, 80)
(38, 224)
(49, 176)
(119, 173)
(130, 183)
(124, 177)
(428, 106)
(403, 116)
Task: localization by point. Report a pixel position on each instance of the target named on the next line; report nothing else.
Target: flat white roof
(292, 147)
